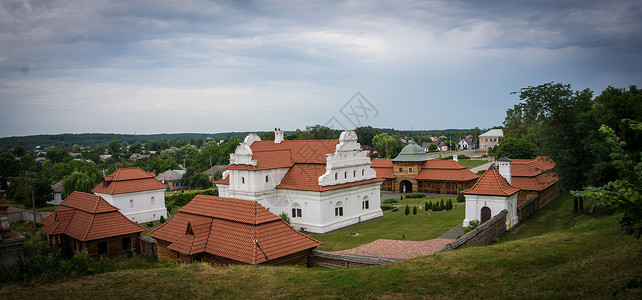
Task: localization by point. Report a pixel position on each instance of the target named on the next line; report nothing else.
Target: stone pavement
(453, 233)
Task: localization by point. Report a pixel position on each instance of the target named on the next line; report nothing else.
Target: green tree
(426, 208)
(515, 148)
(460, 196)
(114, 148)
(9, 167)
(136, 147)
(432, 147)
(285, 217)
(386, 144)
(57, 155)
(77, 181)
(19, 151)
(407, 211)
(624, 194)
(414, 210)
(366, 134)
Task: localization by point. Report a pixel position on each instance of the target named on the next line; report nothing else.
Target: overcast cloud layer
(213, 66)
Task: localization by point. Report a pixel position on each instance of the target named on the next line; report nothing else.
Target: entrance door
(485, 214)
(408, 186)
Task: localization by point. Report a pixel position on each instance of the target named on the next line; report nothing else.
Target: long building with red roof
(138, 194)
(322, 185)
(87, 222)
(413, 171)
(231, 231)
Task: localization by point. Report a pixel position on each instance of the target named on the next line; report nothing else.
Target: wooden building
(413, 171)
(531, 176)
(87, 222)
(231, 231)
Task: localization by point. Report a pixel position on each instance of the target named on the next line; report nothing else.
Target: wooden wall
(482, 235)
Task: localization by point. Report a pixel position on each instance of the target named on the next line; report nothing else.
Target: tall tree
(386, 144)
(515, 148)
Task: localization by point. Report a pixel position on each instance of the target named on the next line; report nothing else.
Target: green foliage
(366, 134)
(407, 211)
(625, 193)
(515, 148)
(449, 204)
(387, 145)
(180, 200)
(386, 206)
(198, 180)
(426, 208)
(57, 155)
(285, 217)
(414, 210)
(432, 147)
(429, 206)
(391, 200)
(415, 196)
(162, 219)
(473, 224)
(460, 197)
(442, 206)
(78, 181)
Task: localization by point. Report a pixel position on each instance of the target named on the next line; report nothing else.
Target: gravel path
(398, 249)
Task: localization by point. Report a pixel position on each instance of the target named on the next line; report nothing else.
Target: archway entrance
(407, 184)
(485, 214)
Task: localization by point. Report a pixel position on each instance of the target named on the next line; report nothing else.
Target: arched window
(242, 180)
(266, 178)
(131, 203)
(335, 176)
(153, 200)
(345, 175)
(354, 173)
(363, 172)
(338, 209)
(296, 210)
(365, 204)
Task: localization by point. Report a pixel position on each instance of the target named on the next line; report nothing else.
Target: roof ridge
(91, 223)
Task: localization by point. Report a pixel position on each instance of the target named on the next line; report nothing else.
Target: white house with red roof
(322, 185)
(489, 196)
(138, 195)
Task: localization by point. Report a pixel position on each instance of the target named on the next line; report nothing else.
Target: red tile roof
(381, 163)
(301, 151)
(492, 184)
(226, 227)
(445, 170)
(533, 174)
(225, 180)
(128, 180)
(267, 159)
(87, 217)
(305, 177)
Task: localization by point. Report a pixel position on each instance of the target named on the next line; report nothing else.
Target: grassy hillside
(555, 254)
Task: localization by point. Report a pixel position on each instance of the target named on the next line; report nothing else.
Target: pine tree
(414, 210)
(407, 210)
(426, 206)
(441, 205)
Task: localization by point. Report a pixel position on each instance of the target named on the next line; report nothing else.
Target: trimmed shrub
(162, 219)
(391, 201)
(415, 196)
(407, 210)
(460, 196)
(414, 210)
(449, 204)
(386, 207)
(426, 206)
(442, 205)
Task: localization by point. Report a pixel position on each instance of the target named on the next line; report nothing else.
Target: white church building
(322, 185)
(138, 195)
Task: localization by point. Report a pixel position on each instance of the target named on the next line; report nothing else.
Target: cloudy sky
(214, 66)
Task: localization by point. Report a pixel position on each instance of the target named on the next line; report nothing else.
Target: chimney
(278, 136)
(504, 168)
(455, 158)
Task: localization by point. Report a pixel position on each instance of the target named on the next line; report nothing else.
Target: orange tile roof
(226, 227)
(225, 180)
(301, 151)
(492, 184)
(128, 180)
(305, 177)
(267, 159)
(531, 167)
(445, 170)
(381, 163)
(87, 217)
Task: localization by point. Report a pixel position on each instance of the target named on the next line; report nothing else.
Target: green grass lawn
(471, 163)
(417, 227)
(554, 255)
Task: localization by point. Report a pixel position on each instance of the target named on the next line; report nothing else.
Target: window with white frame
(296, 211)
(365, 204)
(338, 209)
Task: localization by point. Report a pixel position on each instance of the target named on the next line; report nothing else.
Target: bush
(391, 201)
(473, 224)
(449, 204)
(162, 219)
(150, 224)
(386, 207)
(460, 196)
(285, 217)
(415, 196)
(414, 210)
(407, 210)
(442, 206)
(430, 206)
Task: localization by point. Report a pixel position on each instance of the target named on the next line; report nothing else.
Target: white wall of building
(141, 207)
(474, 204)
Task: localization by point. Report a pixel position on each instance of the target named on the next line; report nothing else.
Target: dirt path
(398, 249)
